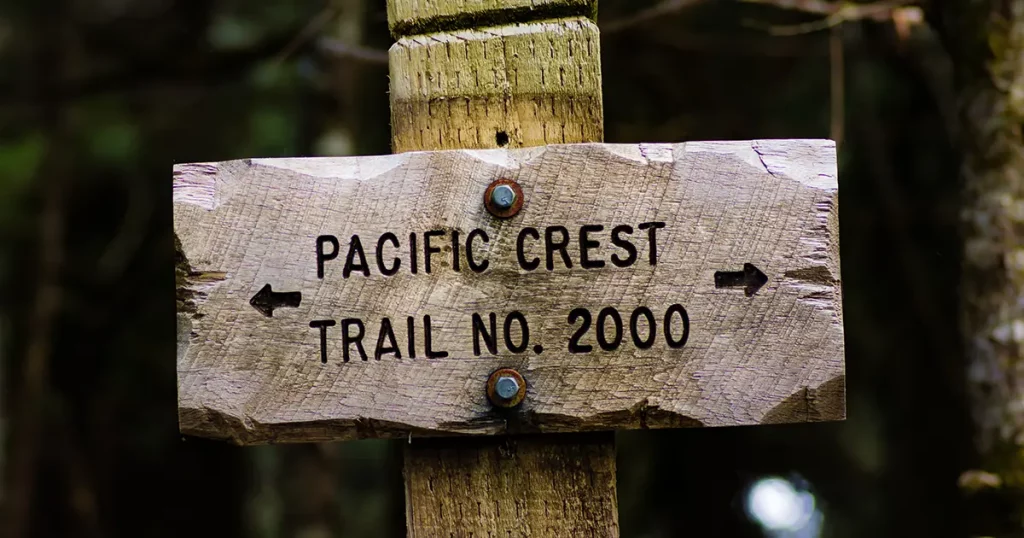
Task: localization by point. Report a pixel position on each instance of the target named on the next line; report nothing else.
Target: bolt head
(503, 196)
(506, 387)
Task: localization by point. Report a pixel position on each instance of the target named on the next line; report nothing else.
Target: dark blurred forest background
(99, 98)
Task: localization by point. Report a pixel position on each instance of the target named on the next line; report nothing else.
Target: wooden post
(501, 74)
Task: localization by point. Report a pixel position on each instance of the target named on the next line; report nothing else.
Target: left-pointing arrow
(266, 300)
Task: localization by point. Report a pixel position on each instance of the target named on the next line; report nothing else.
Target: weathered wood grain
(409, 17)
(548, 485)
(776, 356)
(506, 86)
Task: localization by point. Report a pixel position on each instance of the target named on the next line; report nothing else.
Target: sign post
(502, 74)
(509, 293)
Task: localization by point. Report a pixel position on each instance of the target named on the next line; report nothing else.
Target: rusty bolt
(506, 388)
(503, 198)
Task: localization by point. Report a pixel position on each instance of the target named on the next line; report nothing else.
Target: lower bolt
(506, 388)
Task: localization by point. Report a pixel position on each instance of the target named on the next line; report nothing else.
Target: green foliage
(272, 132)
(113, 137)
(19, 160)
(231, 32)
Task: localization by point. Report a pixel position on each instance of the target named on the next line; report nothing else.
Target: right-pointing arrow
(750, 278)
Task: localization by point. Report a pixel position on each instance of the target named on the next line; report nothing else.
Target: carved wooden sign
(639, 286)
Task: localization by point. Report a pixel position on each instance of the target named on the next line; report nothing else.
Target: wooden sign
(639, 286)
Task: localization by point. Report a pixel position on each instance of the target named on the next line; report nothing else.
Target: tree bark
(985, 40)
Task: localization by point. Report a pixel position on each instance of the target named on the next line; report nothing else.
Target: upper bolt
(502, 196)
(503, 199)
(506, 387)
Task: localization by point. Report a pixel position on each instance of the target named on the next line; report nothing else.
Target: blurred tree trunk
(335, 489)
(339, 136)
(985, 39)
(367, 477)
(308, 476)
(3, 415)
